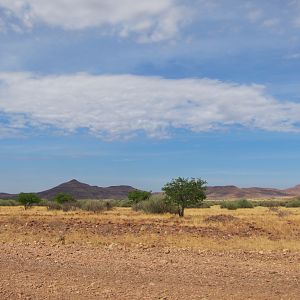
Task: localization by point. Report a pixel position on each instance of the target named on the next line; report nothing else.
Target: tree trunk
(181, 211)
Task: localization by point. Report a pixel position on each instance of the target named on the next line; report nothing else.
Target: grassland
(245, 229)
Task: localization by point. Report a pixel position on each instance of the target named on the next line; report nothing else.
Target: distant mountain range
(234, 192)
(84, 191)
(81, 190)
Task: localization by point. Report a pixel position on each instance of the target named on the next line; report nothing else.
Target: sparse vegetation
(156, 205)
(95, 206)
(185, 192)
(293, 203)
(270, 203)
(233, 205)
(51, 205)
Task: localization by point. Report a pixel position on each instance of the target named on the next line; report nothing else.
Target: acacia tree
(184, 192)
(28, 199)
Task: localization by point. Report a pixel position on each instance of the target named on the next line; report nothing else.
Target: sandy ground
(60, 268)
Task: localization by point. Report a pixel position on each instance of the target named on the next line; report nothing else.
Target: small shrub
(244, 203)
(231, 205)
(293, 203)
(155, 205)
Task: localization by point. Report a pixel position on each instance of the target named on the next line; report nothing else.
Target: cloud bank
(153, 20)
(121, 106)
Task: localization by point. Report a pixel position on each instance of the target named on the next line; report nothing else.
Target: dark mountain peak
(73, 181)
(81, 190)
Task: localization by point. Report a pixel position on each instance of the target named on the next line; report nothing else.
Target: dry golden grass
(253, 229)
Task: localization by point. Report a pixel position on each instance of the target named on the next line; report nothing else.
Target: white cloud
(153, 20)
(119, 106)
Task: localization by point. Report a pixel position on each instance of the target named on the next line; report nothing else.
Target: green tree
(28, 199)
(185, 192)
(62, 198)
(138, 196)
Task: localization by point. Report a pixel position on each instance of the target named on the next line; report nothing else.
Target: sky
(139, 92)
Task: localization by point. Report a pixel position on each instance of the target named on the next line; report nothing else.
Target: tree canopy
(185, 192)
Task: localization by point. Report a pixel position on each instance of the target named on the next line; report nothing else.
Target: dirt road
(40, 271)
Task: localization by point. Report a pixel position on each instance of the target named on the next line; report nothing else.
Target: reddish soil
(40, 271)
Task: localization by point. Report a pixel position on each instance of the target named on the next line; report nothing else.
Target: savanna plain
(211, 253)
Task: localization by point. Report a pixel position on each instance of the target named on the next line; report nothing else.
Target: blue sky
(126, 92)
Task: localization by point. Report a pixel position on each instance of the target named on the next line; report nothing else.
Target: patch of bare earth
(83, 272)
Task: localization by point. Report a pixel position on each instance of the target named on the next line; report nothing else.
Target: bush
(96, 205)
(244, 203)
(155, 205)
(233, 205)
(293, 203)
